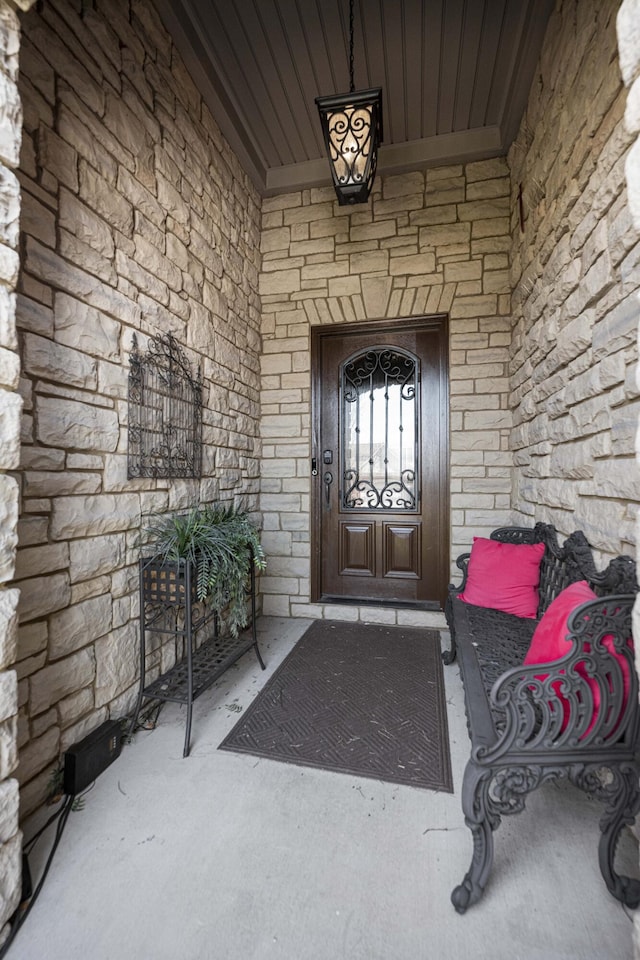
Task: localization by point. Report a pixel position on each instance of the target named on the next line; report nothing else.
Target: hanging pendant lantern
(352, 129)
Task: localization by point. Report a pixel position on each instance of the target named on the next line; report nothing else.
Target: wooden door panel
(380, 529)
(402, 552)
(357, 549)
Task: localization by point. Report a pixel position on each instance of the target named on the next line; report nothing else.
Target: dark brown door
(380, 463)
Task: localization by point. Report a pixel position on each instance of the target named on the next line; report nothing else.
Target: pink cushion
(504, 576)
(549, 643)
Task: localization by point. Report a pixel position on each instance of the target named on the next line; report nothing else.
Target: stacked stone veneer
(136, 217)
(575, 273)
(426, 242)
(628, 28)
(10, 406)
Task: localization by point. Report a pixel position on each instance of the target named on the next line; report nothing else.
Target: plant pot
(163, 582)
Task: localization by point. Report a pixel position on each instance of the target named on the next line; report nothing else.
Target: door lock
(327, 456)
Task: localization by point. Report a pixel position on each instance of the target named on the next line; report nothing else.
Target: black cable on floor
(21, 914)
(30, 844)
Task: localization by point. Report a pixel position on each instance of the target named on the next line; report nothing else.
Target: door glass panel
(380, 430)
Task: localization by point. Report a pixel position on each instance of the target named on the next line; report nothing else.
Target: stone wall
(136, 218)
(10, 407)
(628, 27)
(426, 242)
(575, 276)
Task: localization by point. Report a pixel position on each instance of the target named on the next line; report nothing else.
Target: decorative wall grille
(165, 412)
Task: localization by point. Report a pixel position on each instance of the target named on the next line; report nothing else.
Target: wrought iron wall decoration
(380, 430)
(165, 412)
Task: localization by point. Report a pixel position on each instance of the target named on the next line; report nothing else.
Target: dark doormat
(355, 698)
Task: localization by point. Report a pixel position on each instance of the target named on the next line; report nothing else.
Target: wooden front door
(380, 454)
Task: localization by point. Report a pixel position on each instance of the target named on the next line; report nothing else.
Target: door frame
(318, 334)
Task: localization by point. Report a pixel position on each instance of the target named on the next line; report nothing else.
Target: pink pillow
(504, 576)
(549, 643)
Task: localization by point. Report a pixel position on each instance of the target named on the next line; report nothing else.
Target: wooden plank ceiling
(455, 76)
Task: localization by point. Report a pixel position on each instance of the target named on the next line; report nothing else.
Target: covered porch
(126, 210)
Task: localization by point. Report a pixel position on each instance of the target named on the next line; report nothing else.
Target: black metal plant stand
(169, 607)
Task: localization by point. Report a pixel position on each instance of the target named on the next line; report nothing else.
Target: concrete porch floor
(223, 856)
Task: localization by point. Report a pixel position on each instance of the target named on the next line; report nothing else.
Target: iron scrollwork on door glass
(380, 430)
(165, 412)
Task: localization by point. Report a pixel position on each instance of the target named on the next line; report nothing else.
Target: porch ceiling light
(352, 129)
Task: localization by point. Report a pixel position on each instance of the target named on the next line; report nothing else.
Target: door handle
(328, 480)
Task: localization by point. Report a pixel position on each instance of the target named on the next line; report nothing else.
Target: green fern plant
(220, 543)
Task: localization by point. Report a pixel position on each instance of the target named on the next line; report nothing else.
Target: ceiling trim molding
(525, 66)
(196, 57)
(395, 158)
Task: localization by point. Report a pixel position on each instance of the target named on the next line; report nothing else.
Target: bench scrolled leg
(488, 793)
(622, 797)
(482, 821)
(448, 656)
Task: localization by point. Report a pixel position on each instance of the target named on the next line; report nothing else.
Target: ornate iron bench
(532, 724)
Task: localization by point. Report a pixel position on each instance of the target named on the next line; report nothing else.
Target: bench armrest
(578, 702)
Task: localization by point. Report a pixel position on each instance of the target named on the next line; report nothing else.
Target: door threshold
(431, 605)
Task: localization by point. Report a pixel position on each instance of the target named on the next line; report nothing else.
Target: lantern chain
(352, 88)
